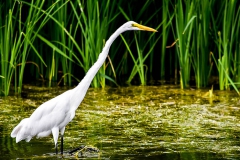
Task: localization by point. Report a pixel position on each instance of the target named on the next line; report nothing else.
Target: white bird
(53, 115)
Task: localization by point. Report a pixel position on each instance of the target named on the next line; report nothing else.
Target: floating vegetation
(134, 122)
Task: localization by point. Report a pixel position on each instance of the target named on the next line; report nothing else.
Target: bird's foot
(82, 150)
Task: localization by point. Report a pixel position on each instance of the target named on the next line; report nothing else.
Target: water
(150, 122)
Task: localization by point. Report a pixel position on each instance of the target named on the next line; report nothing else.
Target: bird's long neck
(80, 90)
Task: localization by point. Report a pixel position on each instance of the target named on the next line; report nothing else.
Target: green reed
(183, 34)
(29, 37)
(145, 44)
(236, 57)
(167, 20)
(200, 48)
(62, 64)
(93, 23)
(62, 49)
(8, 51)
(70, 34)
(227, 40)
(91, 20)
(16, 43)
(139, 63)
(40, 17)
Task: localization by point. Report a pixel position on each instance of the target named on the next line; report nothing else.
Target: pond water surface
(152, 122)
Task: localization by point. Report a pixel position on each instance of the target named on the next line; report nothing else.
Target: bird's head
(131, 25)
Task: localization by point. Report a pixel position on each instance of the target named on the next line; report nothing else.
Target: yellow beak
(145, 28)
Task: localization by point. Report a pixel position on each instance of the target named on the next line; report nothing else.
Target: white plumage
(53, 115)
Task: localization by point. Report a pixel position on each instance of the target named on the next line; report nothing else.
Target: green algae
(132, 123)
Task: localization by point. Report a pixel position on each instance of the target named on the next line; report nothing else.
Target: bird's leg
(62, 133)
(55, 133)
(56, 147)
(62, 144)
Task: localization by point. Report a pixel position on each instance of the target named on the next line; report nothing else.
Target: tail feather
(17, 131)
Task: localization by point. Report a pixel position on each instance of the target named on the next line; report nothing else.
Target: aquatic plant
(57, 42)
(227, 41)
(183, 35)
(200, 53)
(17, 39)
(144, 48)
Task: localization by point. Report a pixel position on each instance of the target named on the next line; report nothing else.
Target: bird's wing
(53, 113)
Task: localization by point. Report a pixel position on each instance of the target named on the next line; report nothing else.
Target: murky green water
(161, 122)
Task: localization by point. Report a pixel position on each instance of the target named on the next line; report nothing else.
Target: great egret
(53, 115)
